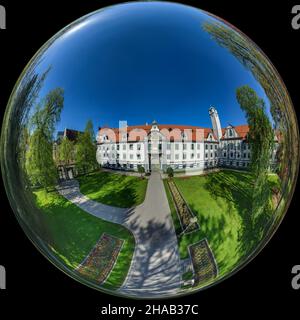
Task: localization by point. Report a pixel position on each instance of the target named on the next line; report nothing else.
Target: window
(192, 156)
(224, 154)
(231, 154)
(184, 156)
(184, 146)
(124, 156)
(168, 146)
(168, 156)
(131, 146)
(124, 146)
(138, 156)
(118, 147)
(211, 155)
(176, 146)
(192, 146)
(211, 147)
(206, 147)
(216, 147)
(138, 146)
(131, 156)
(198, 146)
(198, 155)
(216, 154)
(206, 155)
(176, 156)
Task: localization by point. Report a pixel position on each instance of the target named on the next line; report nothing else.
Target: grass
(73, 234)
(223, 203)
(114, 189)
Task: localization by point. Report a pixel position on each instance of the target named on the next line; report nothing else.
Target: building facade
(183, 148)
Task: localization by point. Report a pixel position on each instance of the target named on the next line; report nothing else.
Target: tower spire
(216, 125)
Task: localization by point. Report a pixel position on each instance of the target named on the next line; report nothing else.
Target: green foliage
(65, 151)
(141, 169)
(85, 154)
(170, 172)
(261, 134)
(40, 166)
(261, 140)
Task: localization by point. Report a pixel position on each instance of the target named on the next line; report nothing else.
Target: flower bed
(184, 213)
(99, 263)
(204, 264)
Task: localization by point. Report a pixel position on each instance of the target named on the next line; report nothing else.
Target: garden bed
(204, 264)
(99, 263)
(184, 212)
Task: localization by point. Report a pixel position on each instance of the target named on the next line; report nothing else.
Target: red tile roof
(172, 132)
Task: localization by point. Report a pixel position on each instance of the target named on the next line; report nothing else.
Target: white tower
(214, 117)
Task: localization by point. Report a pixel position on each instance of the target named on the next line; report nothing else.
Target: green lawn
(73, 233)
(223, 204)
(114, 189)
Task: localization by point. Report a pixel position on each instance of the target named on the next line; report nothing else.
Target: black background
(36, 289)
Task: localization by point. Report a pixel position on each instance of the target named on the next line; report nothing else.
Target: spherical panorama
(149, 150)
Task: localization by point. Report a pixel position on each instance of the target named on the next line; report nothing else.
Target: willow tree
(40, 166)
(261, 140)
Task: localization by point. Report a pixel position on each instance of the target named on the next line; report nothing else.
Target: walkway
(155, 269)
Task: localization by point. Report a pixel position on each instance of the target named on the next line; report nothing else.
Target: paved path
(155, 269)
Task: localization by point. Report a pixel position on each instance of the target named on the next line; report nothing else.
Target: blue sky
(144, 61)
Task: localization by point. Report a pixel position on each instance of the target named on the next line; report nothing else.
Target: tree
(40, 164)
(261, 140)
(65, 153)
(170, 172)
(141, 170)
(261, 133)
(85, 155)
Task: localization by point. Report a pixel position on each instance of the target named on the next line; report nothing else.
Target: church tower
(214, 117)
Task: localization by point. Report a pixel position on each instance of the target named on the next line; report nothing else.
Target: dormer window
(230, 133)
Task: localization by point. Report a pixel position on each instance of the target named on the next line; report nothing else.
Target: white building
(159, 146)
